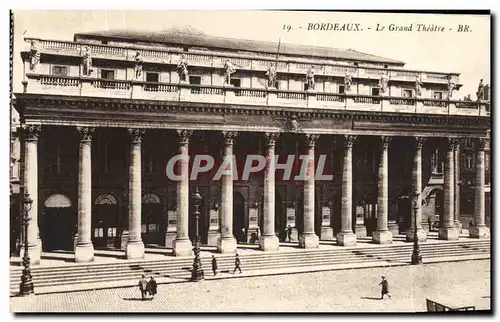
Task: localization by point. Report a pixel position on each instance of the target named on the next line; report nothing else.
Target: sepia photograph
(267, 161)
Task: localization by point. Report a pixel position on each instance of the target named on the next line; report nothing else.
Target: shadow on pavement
(137, 299)
(370, 298)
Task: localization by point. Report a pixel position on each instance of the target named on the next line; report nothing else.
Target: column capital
(31, 132)
(229, 137)
(419, 142)
(385, 141)
(184, 136)
(453, 144)
(349, 140)
(481, 144)
(311, 139)
(271, 138)
(136, 135)
(85, 133)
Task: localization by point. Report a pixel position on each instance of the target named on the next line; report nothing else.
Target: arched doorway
(58, 224)
(433, 207)
(105, 222)
(239, 230)
(152, 219)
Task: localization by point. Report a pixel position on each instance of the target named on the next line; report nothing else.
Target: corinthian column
(268, 240)
(480, 230)
(84, 250)
(448, 230)
(382, 235)
(417, 183)
(227, 242)
(456, 183)
(31, 134)
(135, 246)
(182, 246)
(346, 237)
(309, 239)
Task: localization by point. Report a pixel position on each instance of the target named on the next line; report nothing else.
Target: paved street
(461, 283)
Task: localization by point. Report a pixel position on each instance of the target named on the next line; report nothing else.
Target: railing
(330, 98)
(402, 101)
(435, 103)
(130, 89)
(60, 81)
(292, 95)
(111, 84)
(242, 61)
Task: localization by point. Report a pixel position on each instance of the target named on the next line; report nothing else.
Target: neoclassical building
(100, 116)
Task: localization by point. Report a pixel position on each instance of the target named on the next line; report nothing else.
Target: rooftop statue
(271, 76)
(34, 56)
(480, 91)
(310, 78)
(384, 83)
(418, 85)
(87, 61)
(229, 69)
(182, 69)
(138, 64)
(347, 81)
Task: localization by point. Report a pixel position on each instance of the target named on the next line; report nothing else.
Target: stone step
(179, 268)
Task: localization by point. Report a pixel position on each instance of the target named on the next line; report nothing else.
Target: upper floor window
(152, 77)
(59, 70)
(236, 82)
(341, 89)
(407, 93)
(437, 95)
(107, 74)
(469, 143)
(195, 80)
(486, 161)
(375, 91)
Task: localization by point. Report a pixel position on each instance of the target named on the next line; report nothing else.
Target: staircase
(78, 276)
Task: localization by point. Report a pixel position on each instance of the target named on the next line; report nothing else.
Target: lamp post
(26, 287)
(416, 258)
(197, 272)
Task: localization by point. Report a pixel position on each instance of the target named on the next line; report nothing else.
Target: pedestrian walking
(214, 265)
(385, 287)
(237, 264)
(289, 233)
(143, 285)
(152, 287)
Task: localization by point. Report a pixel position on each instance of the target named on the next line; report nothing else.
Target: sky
(467, 53)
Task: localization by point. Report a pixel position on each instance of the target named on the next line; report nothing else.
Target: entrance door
(105, 222)
(239, 230)
(58, 227)
(152, 219)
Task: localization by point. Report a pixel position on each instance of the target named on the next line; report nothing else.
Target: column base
(182, 247)
(269, 243)
(458, 226)
(326, 233)
(169, 239)
(425, 227)
(361, 231)
(480, 232)
(35, 253)
(84, 253)
(135, 250)
(212, 238)
(308, 240)
(124, 240)
(448, 233)
(226, 245)
(347, 238)
(410, 234)
(393, 228)
(382, 237)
